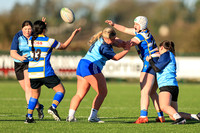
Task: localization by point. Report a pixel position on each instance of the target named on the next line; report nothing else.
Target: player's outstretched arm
(119, 43)
(130, 31)
(120, 55)
(68, 41)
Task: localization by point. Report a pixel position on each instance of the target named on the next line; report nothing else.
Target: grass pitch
(119, 110)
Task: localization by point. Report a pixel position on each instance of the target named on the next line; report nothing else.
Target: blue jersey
(167, 66)
(39, 64)
(147, 45)
(99, 53)
(20, 43)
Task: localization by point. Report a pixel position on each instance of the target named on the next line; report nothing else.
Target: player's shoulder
(18, 34)
(51, 40)
(144, 34)
(105, 46)
(165, 56)
(140, 36)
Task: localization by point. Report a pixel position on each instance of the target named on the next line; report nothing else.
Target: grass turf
(119, 110)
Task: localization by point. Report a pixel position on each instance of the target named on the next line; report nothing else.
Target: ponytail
(38, 28)
(32, 41)
(172, 48)
(95, 38)
(169, 45)
(108, 33)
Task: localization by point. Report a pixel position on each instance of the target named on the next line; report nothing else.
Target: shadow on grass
(13, 120)
(114, 120)
(151, 120)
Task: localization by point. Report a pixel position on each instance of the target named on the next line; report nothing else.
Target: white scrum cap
(142, 21)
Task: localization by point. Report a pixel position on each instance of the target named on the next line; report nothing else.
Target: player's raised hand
(76, 31)
(44, 19)
(110, 22)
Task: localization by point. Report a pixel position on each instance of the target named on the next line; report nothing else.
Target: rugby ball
(67, 15)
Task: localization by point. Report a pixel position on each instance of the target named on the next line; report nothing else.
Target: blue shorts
(86, 68)
(147, 67)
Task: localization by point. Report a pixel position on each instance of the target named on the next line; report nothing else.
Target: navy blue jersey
(166, 70)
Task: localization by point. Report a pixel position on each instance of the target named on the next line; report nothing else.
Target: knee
(62, 91)
(35, 93)
(145, 93)
(163, 108)
(78, 96)
(153, 93)
(103, 93)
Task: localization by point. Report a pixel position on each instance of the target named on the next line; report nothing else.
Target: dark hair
(38, 28)
(169, 45)
(27, 23)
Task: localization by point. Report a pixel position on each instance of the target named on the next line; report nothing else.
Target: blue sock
(31, 106)
(143, 113)
(57, 99)
(160, 114)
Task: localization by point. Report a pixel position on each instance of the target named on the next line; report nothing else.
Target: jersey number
(37, 53)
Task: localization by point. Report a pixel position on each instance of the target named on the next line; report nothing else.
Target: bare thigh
(98, 83)
(146, 81)
(83, 86)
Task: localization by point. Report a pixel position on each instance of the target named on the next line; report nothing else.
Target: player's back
(39, 64)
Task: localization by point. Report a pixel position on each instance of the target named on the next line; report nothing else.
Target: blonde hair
(108, 32)
(95, 37)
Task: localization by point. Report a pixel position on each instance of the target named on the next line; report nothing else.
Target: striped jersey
(147, 45)
(20, 43)
(39, 64)
(99, 53)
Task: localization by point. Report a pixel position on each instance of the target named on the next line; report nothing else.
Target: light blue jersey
(167, 74)
(20, 43)
(99, 53)
(147, 45)
(39, 64)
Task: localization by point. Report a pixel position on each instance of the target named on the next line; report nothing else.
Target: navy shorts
(173, 90)
(147, 67)
(86, 68)
(50, 82)
(19, 69)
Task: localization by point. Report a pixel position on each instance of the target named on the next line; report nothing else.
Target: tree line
(168, 20)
